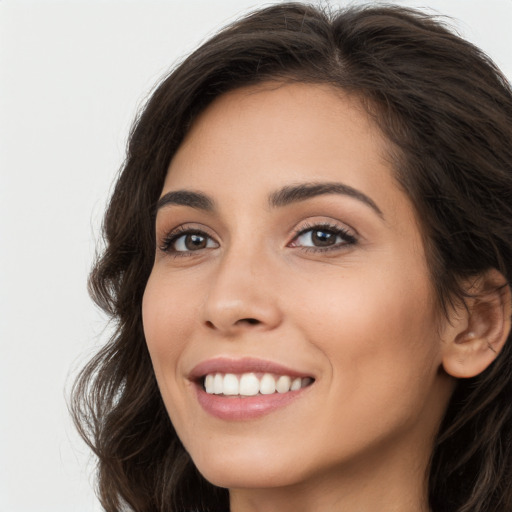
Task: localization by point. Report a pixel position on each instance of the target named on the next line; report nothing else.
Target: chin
(245, 471)
(250, 477)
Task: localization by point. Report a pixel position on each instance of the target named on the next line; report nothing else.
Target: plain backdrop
(72, 75)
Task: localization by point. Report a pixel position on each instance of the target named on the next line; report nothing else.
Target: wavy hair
(446, 110)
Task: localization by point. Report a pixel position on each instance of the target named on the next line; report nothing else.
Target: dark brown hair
(447, 112)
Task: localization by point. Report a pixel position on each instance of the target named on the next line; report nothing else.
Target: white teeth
(296, 384)
(248, 384)
(208, 384)
(267, 384)
(230, 384)
(283, 384)
(218, 384)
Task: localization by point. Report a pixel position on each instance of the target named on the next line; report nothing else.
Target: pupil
(323, 238)
(194, 242)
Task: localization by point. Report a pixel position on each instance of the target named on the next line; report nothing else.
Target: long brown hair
(447, 112)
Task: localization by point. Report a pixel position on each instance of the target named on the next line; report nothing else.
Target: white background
(72, 74)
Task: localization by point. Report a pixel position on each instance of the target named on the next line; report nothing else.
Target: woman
(308, 256)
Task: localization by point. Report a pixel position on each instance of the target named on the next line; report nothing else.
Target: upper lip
(244, 365)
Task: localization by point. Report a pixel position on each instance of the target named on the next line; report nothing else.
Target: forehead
(257, 139)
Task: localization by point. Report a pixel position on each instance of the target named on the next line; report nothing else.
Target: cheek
(383, 355)
(167, 320)
(377, 330)
(168, 313)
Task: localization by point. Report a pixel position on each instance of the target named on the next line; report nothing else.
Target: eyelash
(171, 238)
(168, 242)
(326, 227)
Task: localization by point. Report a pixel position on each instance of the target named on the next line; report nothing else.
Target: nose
(241, 296)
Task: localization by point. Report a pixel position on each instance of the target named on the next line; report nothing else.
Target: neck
(383, 483)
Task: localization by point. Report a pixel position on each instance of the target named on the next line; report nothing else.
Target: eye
(323, 237)
(186, 241)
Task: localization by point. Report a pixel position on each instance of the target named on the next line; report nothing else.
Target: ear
(478, 332)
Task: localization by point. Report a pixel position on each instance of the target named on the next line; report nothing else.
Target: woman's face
(287, 256)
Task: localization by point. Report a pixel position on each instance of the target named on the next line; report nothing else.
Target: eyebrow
(282, 197)
(295, 193)
(188, 198)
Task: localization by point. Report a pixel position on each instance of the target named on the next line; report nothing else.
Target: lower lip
(235, 408)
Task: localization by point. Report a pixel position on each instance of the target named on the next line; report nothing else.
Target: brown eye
(189, 241)
(194, 242)
(322, 238)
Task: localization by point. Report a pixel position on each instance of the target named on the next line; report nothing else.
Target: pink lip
(237, 408)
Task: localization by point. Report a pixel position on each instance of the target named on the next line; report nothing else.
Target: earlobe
(480, 330)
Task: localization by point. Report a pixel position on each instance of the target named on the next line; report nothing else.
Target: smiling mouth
(251, 384)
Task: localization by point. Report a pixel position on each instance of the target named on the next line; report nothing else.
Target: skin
(361, 318)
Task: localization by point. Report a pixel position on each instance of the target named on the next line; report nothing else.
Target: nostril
(250, 321)
(240, 323)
